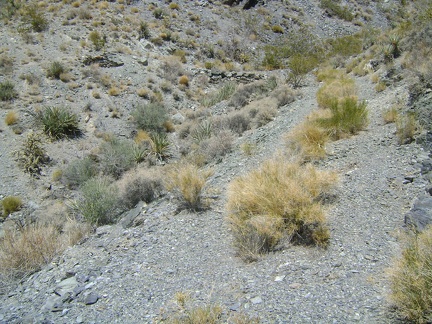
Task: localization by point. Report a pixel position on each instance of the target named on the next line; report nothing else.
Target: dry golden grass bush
(406, 128)
(11, 118)
(278, 200)
(25, 249)
(307, 140)
(336, 89)
(411, 279)
(391, 115)
(187, 182)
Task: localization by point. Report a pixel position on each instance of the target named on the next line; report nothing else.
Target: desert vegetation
(181, 109)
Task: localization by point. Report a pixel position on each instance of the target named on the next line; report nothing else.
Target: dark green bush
(97, 40)
(34, 19)
(79, 171)
(11, 204)
(55, 69)
(143, 31)
(151, 117)
(299, 66)
(59, 122)
(7, 91)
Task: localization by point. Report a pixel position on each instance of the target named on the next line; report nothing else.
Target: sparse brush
(160, 145)
(224, 93)
(348, 117)
(202, 131)
(97, 39)
(34, 19)
(79, 171)
(144, 188)
(335, 89)
(7, 91)
(411, 279)
(32, 155)
(406, 128)
(59, 122)
(391, 115)
(143, 31)
(11, 204)
(55, 70)
(278, 200)
(334, 9)
(99, 204)
(308, 140)
(186, 181)
(150, 117)
(299, 66)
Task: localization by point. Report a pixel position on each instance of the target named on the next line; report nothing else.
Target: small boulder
(420, 214)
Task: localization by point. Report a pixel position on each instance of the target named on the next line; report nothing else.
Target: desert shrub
(307, 140)
(26, 251)
(277, 29)
(158, 13)
(55, 70)
(299, 66)
(346, 46)
(11, 204)
(184, 80)
(202, 131)
(406, 128)
(334, 9)
(244, 92)
(116, 157)
(143, 31)
(79, 171)
(141, 188)
(285, 95)
(215, 147)
(278, 200)
(224, 93)
(97, 39)
(150, 117)
(11, 118)
(265, 115)
(411, 279)
(186, 181)
(34, 19)
(391, 115)
(99, 204)
(348, 117)
(237, 122)
(7, 91)
(32, 155)
(59, 122)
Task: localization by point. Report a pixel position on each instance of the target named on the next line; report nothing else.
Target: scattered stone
(279, 278)
(66, 286)
(53, 304)
(295, 285)
(128, 217)
(91, 298)
(256, 300)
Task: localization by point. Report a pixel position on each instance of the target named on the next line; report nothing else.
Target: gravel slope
(134, 273)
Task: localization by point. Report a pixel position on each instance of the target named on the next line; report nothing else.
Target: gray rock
(420, 214)
(129, 216)
(66, 286)
(91, 299)
(53, 304)
(256, 300)
(178, 118)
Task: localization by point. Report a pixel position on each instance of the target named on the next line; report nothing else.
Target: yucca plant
(59, 122)
(32, 154)
(202, 131)
(160, 145)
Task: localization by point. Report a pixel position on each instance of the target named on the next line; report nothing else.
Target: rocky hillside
(102, 232)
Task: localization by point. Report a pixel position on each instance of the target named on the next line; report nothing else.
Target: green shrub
(142, 188)
(347, 117)
(277, 200)
(150, 117)
(299, 66)
(117, 156)
(334, 9)
(159, 145)
(7, 91)
(11, 204)
(411, 279)
(202, 131)
(59, 122)
(55, 70)
(277, 29)
(97, 40)
(158, 13)
(346, 45)
(187, 182)
(79, 171)
(99, 204)
(32, 154)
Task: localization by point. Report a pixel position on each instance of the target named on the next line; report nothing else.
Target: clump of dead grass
(278, 200)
